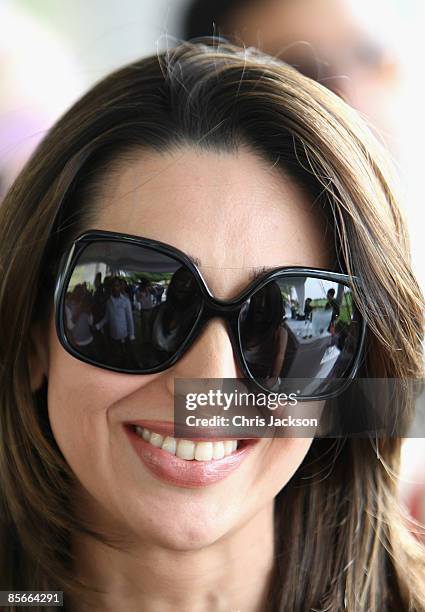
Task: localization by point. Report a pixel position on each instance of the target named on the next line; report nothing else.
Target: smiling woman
(208, 213)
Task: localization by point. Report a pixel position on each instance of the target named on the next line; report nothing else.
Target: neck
(233, 573)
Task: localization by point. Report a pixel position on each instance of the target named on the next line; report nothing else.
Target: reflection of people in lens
(177, 314)
(97, 281)
(144, 295)
(347, 338)
(332, 303)
(308, 309)
(144, 302)
(79, 319)
(159, 290)
(99, 299)
(265, 333)
(119, 318)
(125, 289)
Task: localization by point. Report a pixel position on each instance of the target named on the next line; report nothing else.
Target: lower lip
(182, 473)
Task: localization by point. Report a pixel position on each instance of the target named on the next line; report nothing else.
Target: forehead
(233, 212)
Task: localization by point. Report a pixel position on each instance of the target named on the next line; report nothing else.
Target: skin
(209, 548)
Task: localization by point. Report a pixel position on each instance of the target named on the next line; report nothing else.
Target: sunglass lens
(129, 307)
(302, 332)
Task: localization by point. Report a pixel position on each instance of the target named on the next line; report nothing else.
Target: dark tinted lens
(129, 307)
(300, 328)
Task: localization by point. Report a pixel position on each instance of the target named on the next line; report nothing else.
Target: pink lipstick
(183, 472)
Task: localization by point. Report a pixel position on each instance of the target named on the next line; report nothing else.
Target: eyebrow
(255, 272)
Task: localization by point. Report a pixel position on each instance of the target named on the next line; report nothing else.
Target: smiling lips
(188, 449)
(185, 463)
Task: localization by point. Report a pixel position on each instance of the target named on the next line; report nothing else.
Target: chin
(184, 527)
(186, 540)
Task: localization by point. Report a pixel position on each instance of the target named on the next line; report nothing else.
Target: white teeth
(218, 450)
(228, 447)
(204, 451)
(156, 439)
(170, 445)
(188, 449)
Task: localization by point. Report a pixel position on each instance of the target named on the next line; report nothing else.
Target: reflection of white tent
(114, 258)
(299, 287)
(87, 273)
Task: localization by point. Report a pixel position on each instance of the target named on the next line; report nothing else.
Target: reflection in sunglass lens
(129, 307)
(302, 328)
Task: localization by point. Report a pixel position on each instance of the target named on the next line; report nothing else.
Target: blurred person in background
(346, 45)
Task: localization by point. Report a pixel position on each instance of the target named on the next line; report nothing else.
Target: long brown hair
(342, 542)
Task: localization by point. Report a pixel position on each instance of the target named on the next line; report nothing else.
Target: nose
(210, 356)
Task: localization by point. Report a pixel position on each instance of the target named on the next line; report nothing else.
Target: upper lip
(167, 428)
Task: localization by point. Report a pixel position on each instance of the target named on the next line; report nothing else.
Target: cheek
(285, 456)
(77, 411)
(289, 453)
(279, 460)
(80, 400)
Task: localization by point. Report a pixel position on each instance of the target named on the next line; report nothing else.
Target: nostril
(211, 355)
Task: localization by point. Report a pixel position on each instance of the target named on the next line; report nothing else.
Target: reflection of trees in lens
(346, 307)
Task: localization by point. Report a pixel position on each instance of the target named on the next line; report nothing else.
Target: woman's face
(235, 214)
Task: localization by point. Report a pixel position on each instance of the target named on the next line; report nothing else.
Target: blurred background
(370, 52)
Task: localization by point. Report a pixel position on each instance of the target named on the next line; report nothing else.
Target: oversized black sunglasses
(135, 305)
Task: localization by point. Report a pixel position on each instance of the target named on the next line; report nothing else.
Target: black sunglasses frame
(211, 306)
